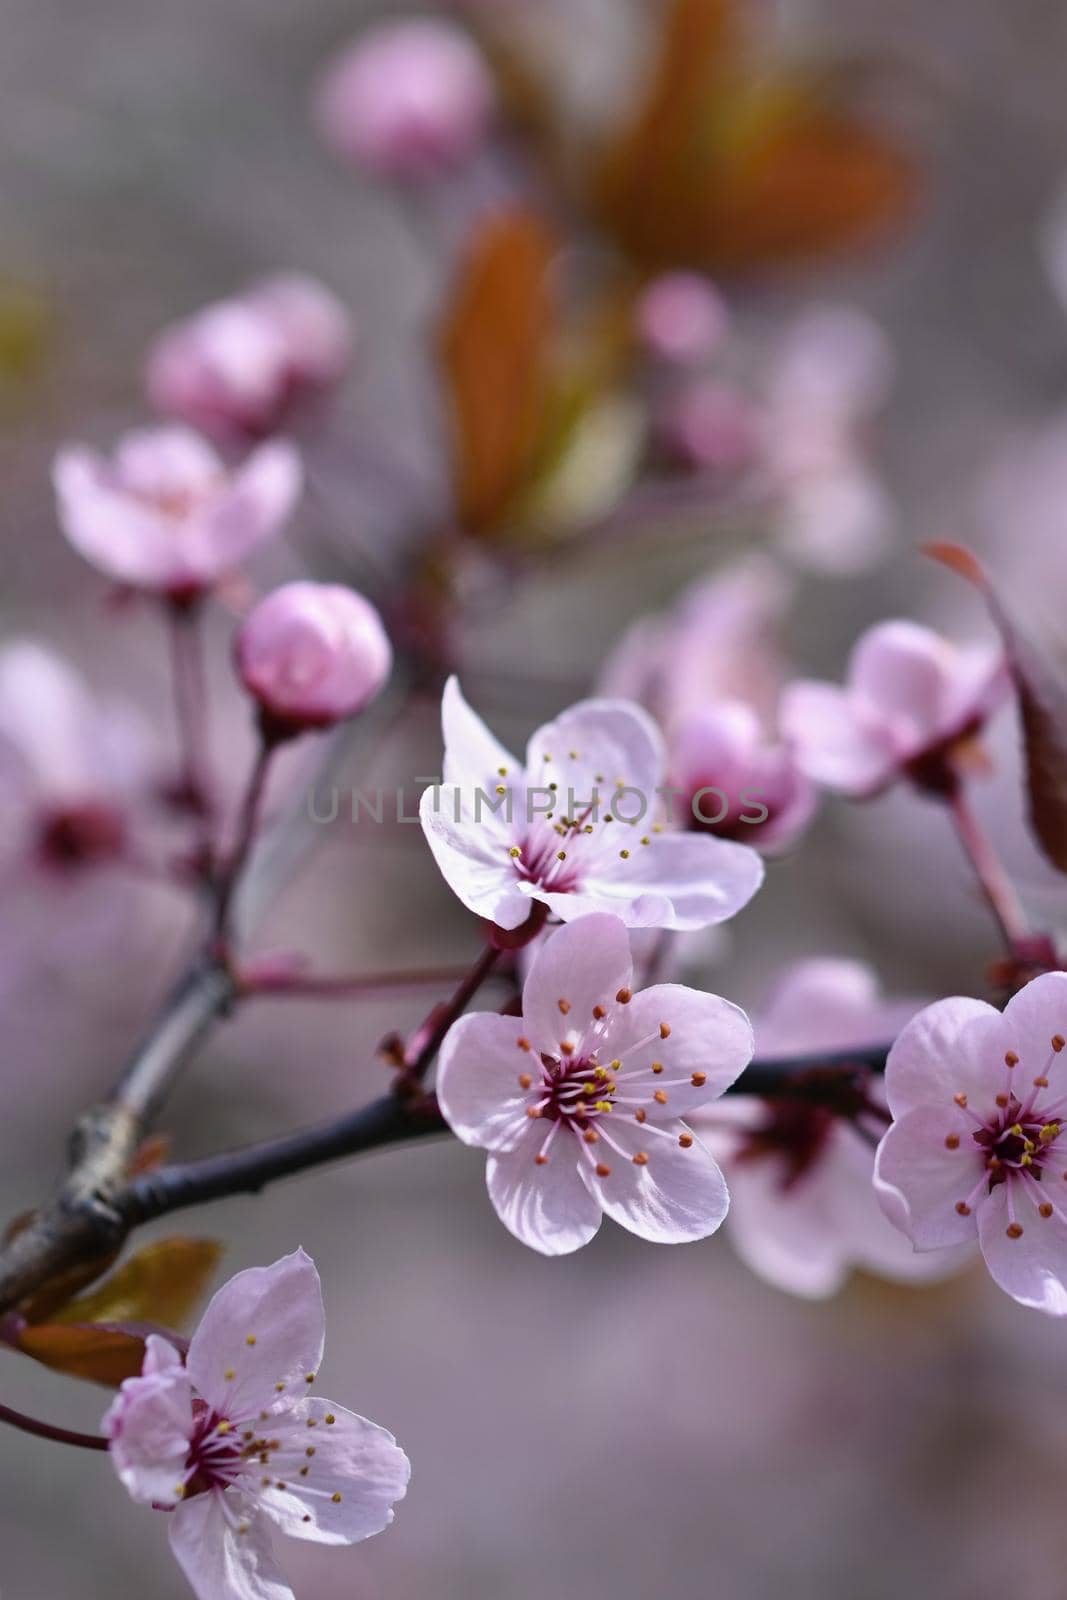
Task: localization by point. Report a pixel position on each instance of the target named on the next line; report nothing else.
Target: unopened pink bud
(312, 654)
(406, 100)
(681, 318)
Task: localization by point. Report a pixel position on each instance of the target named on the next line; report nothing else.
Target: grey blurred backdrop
(630, 1420)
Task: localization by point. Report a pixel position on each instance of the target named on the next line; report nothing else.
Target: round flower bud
(406, 100)
(681, 318)
(312, 654)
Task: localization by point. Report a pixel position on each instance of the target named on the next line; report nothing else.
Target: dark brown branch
(836, 1080)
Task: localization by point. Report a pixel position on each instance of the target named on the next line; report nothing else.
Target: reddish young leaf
(1042, 691)
(101, 1355)
(494, 353)
(162, 1283)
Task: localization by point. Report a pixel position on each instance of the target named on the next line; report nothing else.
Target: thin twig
(47, 1430)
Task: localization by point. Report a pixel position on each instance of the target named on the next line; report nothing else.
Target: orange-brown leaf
(163, 1282)
(494, 351)
(728, 167)
(102, 1355)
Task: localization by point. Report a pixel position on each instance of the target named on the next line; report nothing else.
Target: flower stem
(993, 880)
(46, 1430)
(190, 708)
(247, 825)
(428, 1040)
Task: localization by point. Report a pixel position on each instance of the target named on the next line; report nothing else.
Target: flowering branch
(834, 1080)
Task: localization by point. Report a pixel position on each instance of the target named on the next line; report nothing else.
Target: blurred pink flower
(197, 1440)
(553, 839)
(681, 318)
(164, 514)
(235, 368)
(578, 1100)
(711, 671)
(803, 1211)
(829, 379)
(708, 425)
(70, 765)
(313, 654)
(910, 696)
(406, 100)
(977, 1147)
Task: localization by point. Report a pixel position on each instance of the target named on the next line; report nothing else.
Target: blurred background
(630, 1417)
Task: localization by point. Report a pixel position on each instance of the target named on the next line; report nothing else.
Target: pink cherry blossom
(681, 317)
(235, 368)
(710, 426)
(711, 671)
(71, 765)
(313, 654)
(234, 1441)
(164, 513)
(803, 1211)
(977, 1147)
(579, 1100)
(406, 100)
(909, 699)
(575, 825)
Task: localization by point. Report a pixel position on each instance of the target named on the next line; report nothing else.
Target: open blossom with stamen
(978, 1145)
(235, 368)
(580, 1100)
(233, 1440)
(911, 702)
(803, 1211)
(573, 826)
(165, 514)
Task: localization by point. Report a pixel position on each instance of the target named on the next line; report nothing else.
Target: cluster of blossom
(598, 1088)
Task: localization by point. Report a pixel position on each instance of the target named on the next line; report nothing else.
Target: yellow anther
(229, 1374)
(1051, 1130)
(602, 1105)
(514, 852)
(251, 1339)
(223, 1427)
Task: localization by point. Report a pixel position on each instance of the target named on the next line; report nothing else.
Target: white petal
(678, 1196)
(219, 1562)
(1033, 1267)
(707, 1037)
(599, 746)
(347, 1457)
(920, 1180)
(584, 964)
(473, 757)
(478, 1081)
(831, 746)
(547, 1207)
(678, 880)
(260, 1337)
(952, 1047)
(472, 856)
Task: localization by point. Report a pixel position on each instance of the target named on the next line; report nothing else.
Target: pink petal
(1033, 1267)
(350, 1457)
(828, 1003)
(678, 880)
(45, 712)
(472, 856)
(127, 540)
(790, 1238)
(831, 745)
(584, 964)
(952, 1047)
(1030, 1021)
(677, 1196)
(150, 1423)
(707, 1037)
(596, 747)
(219, 1562)
(478, 1081)
(904, 670)
(547, 1207)
(920, 1180)
(251, 509)
(473, 757)
(263, 1329)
